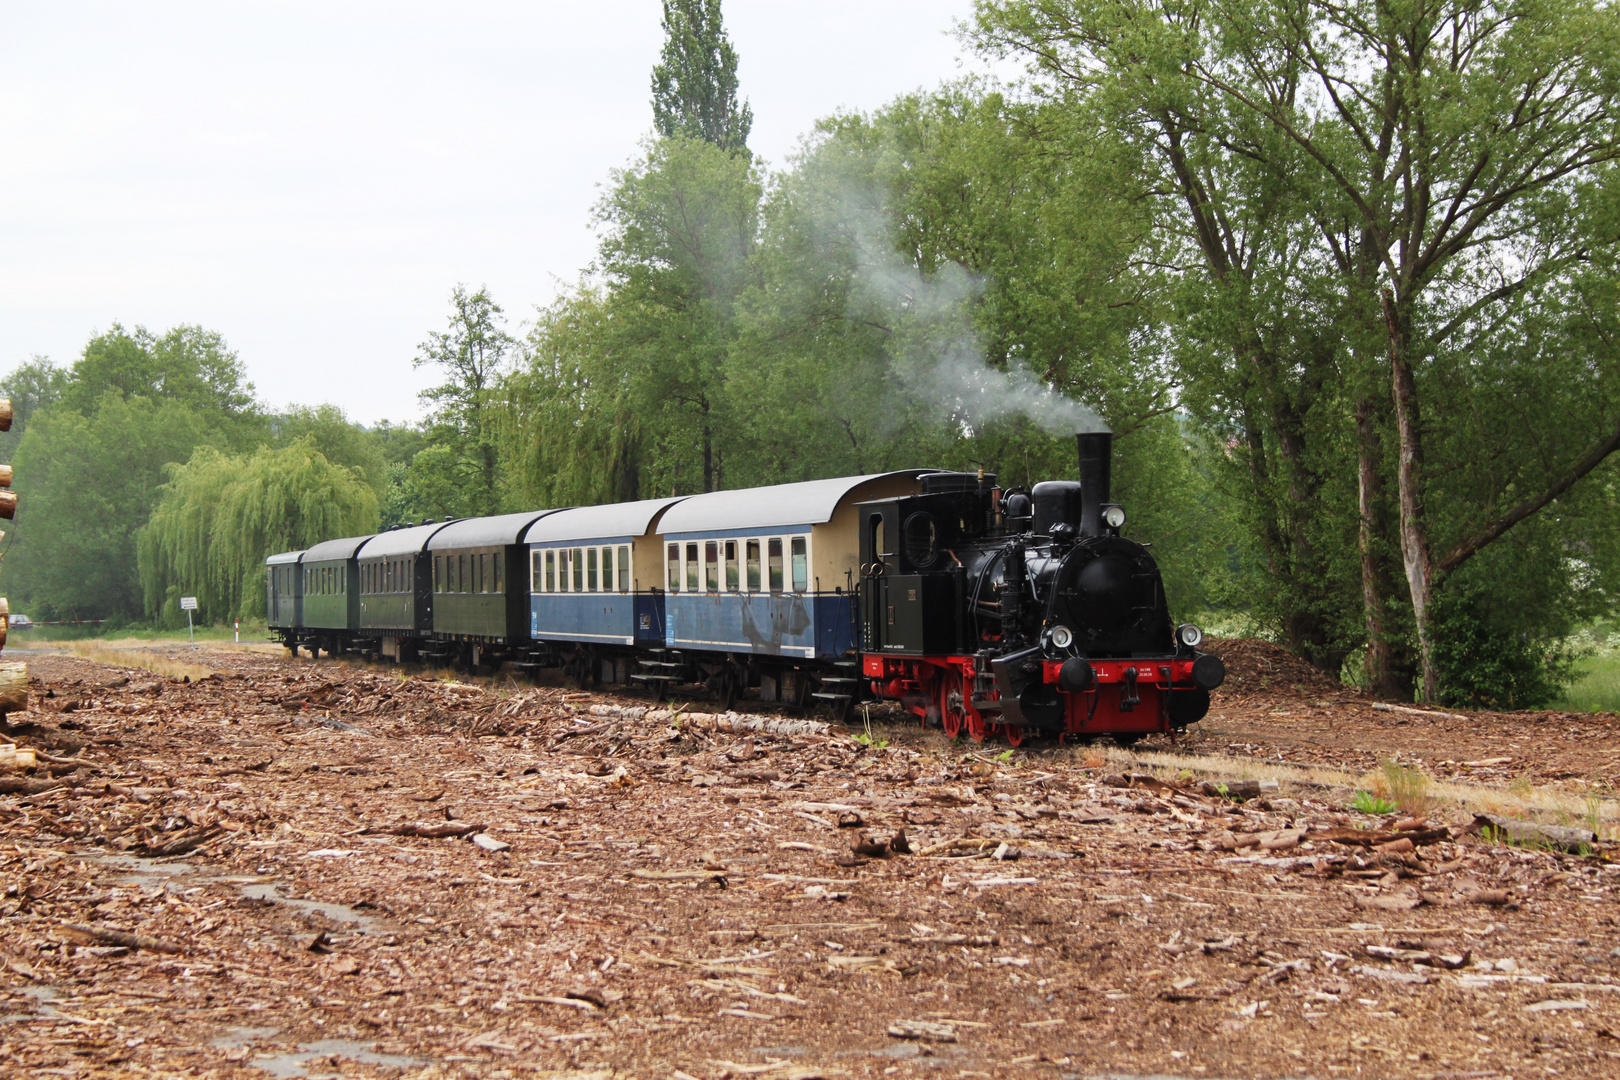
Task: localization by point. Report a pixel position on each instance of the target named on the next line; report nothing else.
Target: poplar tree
(694, 84)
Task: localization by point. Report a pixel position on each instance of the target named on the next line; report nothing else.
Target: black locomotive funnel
(1096, 469)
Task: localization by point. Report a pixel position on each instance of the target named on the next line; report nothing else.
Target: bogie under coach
(984, 611)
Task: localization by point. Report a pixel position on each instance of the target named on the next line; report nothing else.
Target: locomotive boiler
(999, 611)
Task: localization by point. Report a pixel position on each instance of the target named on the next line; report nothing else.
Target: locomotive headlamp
(1190, 635)
(1114, 517)
(1062, 636)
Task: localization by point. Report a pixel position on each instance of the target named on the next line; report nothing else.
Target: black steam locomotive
(1025, 613)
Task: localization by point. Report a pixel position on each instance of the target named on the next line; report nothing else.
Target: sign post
(188, 604)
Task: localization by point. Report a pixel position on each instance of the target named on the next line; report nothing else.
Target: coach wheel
(952, 717)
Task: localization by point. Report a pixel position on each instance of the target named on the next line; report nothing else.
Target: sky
(312, 179)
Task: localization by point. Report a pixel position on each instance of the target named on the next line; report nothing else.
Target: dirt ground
(240, 876)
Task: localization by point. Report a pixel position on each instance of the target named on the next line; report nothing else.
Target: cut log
(13, 687)
(16, 758)
(1534, 834)
(5, 475)
(8, 504)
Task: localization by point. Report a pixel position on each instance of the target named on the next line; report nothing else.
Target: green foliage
(694, 84)
(1367, 803)
(31, 386)
(220, 516)
(338, 440)
(1497, 653)
(86, 484)
(187, 364)
(471, 355)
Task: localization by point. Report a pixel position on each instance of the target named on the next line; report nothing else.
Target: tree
(187, 364)
(220, 516)
(1372, 192)
(471, 355)
(694, 84)
(681, 226)
(32, 386)
(341, 442)
(86, 484)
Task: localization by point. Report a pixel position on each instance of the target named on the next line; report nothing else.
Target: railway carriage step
(824, 695)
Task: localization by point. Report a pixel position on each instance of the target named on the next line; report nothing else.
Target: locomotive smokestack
(1096, 468)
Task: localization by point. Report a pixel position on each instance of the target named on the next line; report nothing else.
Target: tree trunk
(1409, 479)
(1379, 669)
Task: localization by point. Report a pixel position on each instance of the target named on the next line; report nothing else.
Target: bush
(1492, 657)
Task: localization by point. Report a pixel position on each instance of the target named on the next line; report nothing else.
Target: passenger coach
(594, 591)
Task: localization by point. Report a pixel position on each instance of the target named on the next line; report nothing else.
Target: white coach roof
(810, 502)
(598, 522)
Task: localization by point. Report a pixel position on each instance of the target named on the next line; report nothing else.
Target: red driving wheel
(952, 714)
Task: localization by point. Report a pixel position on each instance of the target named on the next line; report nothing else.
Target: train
(987, 612)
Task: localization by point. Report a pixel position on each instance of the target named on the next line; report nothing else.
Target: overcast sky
(312, 179)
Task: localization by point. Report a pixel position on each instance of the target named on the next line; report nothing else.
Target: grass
(1366, 802)
(1597, 684)
(1407, 787)
(146, 660)
(1599, 813)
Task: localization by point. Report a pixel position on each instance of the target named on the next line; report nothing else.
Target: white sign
(188, 603)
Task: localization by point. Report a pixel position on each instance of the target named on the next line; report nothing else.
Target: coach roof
(598, 522)
(809, 502)
(333, 550)
(283, 558)
(485, 531)
(398, 542)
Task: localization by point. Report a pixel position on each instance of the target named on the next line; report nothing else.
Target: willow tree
(221, 515)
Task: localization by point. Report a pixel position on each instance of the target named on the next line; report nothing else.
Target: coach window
(801, 564)
(624, 567)
(753, 565)
(438, 573)
(774, 553)
(577, 561)
(672, 567)
(731, 566)
(551, 571)
(607, 569)
(691, 568)
(711, 566)
(590, 570)
(500, 575)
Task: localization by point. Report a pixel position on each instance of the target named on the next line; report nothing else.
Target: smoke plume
(941, 357)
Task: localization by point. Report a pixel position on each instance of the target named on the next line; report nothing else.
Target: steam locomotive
(983, 611)
(1025, 613)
